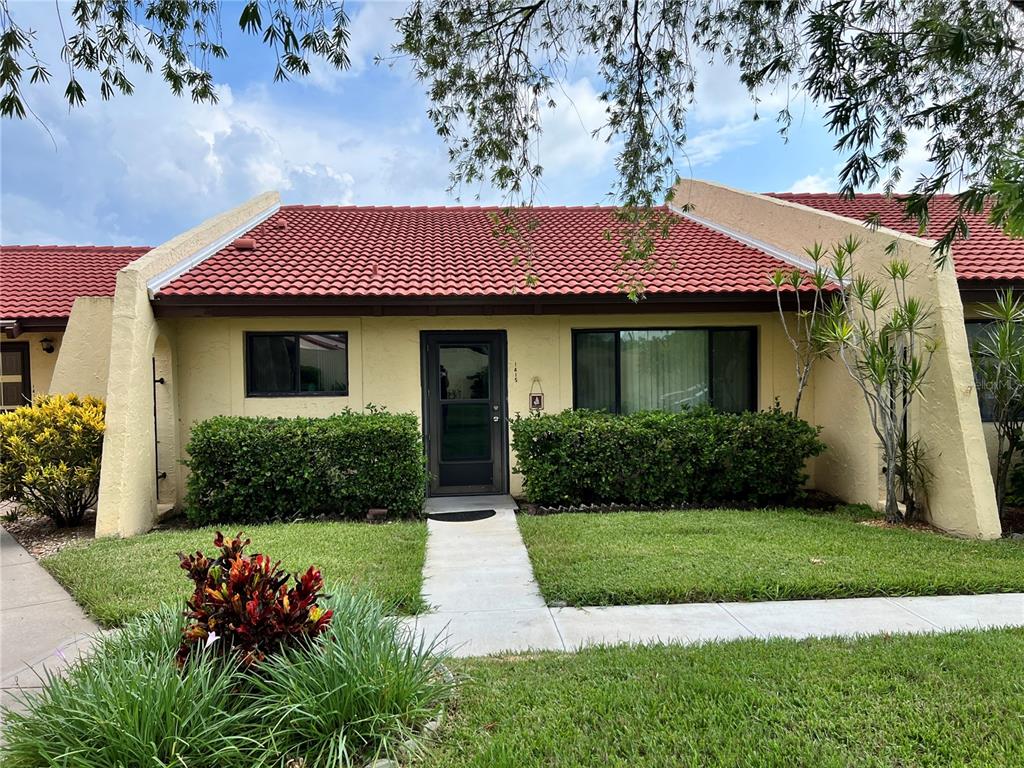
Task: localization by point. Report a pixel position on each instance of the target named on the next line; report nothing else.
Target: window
(15, 388)
(625, 371)
(283, 364)
(976, 330)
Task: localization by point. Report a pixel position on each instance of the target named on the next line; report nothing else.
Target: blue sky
(140, 169)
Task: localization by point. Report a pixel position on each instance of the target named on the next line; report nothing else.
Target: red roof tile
(987, 254)
(43, 281)
(453, 251)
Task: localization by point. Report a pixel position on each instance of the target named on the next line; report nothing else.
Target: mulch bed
(40, 537)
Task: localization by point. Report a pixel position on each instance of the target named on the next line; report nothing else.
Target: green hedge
(694, 458)
(257, 469)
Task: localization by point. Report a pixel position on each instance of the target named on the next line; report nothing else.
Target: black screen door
(464, 411)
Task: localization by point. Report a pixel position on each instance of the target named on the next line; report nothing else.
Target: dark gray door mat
(468, 516)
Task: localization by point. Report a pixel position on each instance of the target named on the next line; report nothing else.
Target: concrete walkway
(479, 582)
(41, 627)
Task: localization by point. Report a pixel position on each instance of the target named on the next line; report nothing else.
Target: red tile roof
(987, 254)
(41, 282)
(312, 251)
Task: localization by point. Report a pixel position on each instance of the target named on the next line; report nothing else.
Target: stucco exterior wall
(128, 482)
(973, 311)
(40, 364)
(84, 359)
(961, 498)
(384, 362)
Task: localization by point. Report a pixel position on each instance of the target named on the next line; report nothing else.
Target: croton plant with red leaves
(242, 604)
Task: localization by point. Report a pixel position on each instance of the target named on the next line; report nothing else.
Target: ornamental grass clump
(242, 604)
(129, 704)
(50, 456)
(254, 673)
(366, 690)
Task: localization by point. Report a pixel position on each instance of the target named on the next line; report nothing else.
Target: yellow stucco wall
(41, 364)
(384, 361)
(84, 359)
(961, 498)
(131, 451)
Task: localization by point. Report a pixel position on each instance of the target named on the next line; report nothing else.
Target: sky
(138, 170)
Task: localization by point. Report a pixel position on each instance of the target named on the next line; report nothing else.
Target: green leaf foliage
(693, 458)
(50, 455)
(886, 77)
(108, 41)
(260, 469)
(359, 691)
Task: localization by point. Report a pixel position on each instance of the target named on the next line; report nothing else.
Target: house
(46, 293)
(284, 310)
(448, 313)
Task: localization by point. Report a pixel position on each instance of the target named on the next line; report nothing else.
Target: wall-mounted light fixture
(47, 345)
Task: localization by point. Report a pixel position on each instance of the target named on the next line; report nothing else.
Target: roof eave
(255, 305)
(12, 327)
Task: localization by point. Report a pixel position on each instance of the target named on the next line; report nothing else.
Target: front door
(464, 411)
(15, 384)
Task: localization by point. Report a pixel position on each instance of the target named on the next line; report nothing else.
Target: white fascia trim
(172, 273)
(784, 256)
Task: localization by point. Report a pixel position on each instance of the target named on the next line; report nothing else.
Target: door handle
(495, 419)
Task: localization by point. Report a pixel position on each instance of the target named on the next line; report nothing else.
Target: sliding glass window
(630, 370)
(289, 364)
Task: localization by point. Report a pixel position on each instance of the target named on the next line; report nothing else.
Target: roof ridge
(859, 196)
(301, 207)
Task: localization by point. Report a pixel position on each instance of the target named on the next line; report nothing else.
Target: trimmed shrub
(694, 458)
(51, 456)
(259, 469)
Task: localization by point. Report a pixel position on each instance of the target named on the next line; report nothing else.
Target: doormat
(462, 517)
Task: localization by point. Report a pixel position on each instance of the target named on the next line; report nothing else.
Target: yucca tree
(802, 326)
(883, 336)
(999, 370)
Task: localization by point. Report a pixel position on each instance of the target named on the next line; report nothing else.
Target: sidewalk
(478, 580)
(477, 577)
(40, 625)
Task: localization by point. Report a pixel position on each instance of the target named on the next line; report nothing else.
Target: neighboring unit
(986, 262)
(46, 294)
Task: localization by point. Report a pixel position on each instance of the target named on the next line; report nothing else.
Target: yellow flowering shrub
(50, 455)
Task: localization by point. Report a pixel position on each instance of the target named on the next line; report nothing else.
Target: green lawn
(937, 700)
(116, 579)
(707, 555)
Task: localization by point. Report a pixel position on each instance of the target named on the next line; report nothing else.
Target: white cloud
(915, 162)
(721, 97)
(567, 141)
(372, 33)
(145, 167)
(141, 169)
(707, 146)
(815, 182)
